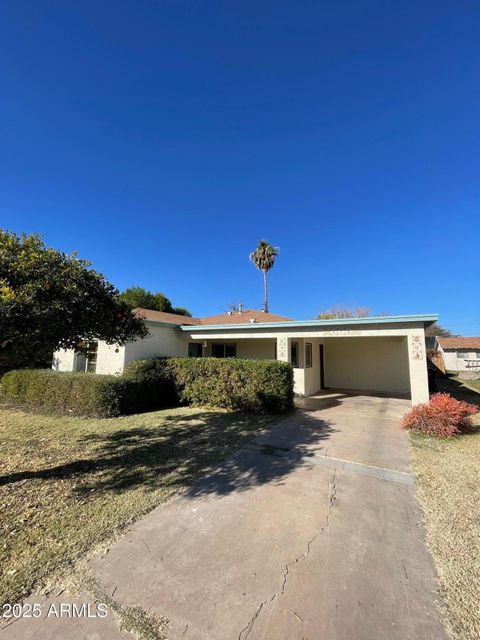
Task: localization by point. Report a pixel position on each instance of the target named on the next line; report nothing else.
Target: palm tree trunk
(265, 301)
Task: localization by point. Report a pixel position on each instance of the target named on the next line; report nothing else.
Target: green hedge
(247, 385)
(156, 382)
(84, 394)
(146, 385)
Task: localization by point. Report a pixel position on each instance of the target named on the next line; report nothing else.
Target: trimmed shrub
(246, 385)
(443, 416)
(83, 394)
(146, 385)
(156, 382)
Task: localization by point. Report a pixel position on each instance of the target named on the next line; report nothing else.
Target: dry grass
(448, 473)
(473, 384)
(69, 484)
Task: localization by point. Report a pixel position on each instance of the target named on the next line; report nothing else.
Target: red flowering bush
(443, 416)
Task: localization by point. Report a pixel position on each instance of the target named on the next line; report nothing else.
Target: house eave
(425, 319)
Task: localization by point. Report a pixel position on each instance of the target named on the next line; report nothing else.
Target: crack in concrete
(332, 492)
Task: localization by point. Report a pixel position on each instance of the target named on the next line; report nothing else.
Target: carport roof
(425, 319)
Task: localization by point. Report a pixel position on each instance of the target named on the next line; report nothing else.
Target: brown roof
(459, 343)
(161, 316)
(224, 318)
(243, 318)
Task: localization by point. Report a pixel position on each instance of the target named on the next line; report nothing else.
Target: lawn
(68, 485)
(448, 474)
(468, 390)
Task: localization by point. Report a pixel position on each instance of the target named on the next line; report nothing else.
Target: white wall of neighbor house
(162, 341)
(461, 359)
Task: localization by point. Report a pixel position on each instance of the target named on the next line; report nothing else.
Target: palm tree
(264, 258)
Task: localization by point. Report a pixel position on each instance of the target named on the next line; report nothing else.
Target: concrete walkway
(311, 532)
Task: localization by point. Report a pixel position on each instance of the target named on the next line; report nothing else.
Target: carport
(384, 354)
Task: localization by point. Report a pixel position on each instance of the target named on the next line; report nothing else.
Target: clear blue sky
(163, 139)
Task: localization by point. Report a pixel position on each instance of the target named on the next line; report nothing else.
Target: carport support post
(282, 348)
(417, 364)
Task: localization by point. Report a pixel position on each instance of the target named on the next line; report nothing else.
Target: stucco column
(282, 348)
(417, 363)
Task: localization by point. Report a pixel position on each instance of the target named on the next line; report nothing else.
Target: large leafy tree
(264, 258)
(182, 311)
(51, 300)
(138, 297)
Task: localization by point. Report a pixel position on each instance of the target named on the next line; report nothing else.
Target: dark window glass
(224, 350)
(294, 354)
(218, 350)
(230, 351)
(194, 350)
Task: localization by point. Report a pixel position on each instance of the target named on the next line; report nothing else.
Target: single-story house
(384, 354)
(460, 354)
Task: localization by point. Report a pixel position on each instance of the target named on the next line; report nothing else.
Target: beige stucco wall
(110, 358)
(63, 360)
(256, 349)
(252, 349)
(312, 374)
(162, 341)
(367, 364)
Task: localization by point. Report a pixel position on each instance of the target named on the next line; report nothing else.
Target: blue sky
(163, 139)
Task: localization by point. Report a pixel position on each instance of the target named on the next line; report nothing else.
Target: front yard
(448, 474)
(68, 485)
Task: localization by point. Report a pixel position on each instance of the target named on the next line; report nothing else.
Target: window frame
(87, 358)
(224, 346)
(91, 357)
(308, 352)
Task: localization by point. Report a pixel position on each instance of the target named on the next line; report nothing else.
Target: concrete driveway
(310, 532)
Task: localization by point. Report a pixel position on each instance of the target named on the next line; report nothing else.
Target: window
(194, 350)
(92, 357)
(308, 354)
(224, 350)
(230, 351)
(86, 360)
(477, 355)
(463, 355)
(294, 354)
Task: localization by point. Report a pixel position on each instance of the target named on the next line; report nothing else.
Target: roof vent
(252, 320)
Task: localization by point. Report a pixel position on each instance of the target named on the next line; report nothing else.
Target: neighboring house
(460, 354)
(375, 354)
